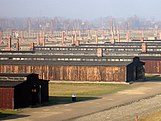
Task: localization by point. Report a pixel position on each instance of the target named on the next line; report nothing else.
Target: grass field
(4, 113)
(153, 77)
(152, 117)
(62, 92)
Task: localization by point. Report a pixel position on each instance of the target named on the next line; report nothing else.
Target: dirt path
(127, 112)
(106, 108)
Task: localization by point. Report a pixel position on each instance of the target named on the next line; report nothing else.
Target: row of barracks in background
(109, 62)
(26, 73)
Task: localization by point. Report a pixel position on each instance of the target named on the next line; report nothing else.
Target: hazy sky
(86, 9)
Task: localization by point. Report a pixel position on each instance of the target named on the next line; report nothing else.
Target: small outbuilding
(22, 90)
(135, 70)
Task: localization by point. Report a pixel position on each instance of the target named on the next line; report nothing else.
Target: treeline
(63, 24)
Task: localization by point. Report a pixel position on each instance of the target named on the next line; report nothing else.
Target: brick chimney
(99, 52)
(32, 46)
(112, 37)
(17, 45)
(144, 47)
(118, 35)
(38, 39)
(43, 39)
(142, 36)
(73, 39)
(160, 35)
(127, 36)
(77, 43)
(21, 36)
(63, 38)
(96, 39)
(1, 37)
(9, 43)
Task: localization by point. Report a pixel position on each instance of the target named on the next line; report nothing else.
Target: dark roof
(10, 83)
(64, 63)
(14, 74)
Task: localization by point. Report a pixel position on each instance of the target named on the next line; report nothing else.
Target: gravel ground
(127, 112)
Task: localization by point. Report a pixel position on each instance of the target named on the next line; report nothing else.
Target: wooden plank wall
(153, 66)
(6, 99)
(71, 73)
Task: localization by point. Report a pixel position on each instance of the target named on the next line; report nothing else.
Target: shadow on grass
(153, 78)
(5, 116)
(56, 100)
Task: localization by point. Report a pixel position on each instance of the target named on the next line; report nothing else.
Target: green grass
(84, 89)
(151, 117)
(62, 92)
(153, 77)
(5, 113)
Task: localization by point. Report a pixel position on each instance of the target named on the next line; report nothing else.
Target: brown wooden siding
(153, 66)
(71, 73)
(6, 98)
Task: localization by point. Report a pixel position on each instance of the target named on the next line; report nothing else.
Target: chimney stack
(43, 39)
(77, 43)
(112, 37)
(38, 39)
(73, 39)
(144, 47)
(127, 36)
(142, 37)
(160, 35)
(118, 35)
(21, 37)
(1, 37)
(9, 42)
(17, 45)
(99, 52)
(96, 39)
(32, 46)
(63, 38)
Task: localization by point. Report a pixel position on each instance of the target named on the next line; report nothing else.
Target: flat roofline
(65, 63)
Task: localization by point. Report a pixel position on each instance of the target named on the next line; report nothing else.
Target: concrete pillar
(99, 52)
(144, 47)
(9, 43)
